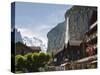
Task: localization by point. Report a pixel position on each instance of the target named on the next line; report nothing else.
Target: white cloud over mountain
(33, 39)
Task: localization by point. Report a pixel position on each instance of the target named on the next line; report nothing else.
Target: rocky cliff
(78, 24)
(16, 36)
(79, 20)
(56, 38)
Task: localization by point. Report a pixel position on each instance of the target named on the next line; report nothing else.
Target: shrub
(31, 61)
(19, 62)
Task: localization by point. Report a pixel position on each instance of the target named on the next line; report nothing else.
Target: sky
(37, 19)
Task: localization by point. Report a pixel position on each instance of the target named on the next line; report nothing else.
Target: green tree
(31, 61)
(19, 62)
(39, 60)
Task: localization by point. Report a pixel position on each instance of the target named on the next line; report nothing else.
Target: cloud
(39, 19)
(29, 33)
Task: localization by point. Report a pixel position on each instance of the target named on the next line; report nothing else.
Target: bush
(31, 61)
(19, 62)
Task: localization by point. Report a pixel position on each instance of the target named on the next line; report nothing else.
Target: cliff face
(77, 18)
(56, 38)
(16, 36)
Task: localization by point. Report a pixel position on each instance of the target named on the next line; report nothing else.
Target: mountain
(34, 41)
(28, 41)
(77, 21)
(16, 36)
(56, 38)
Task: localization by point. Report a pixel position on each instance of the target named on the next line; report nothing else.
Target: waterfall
(67, 31)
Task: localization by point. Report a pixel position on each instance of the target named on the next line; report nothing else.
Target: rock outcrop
(16, 36)
(78, 19)
(56, 38)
